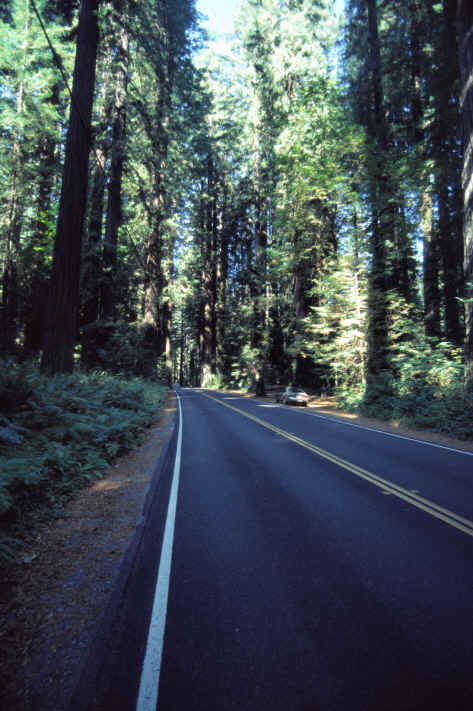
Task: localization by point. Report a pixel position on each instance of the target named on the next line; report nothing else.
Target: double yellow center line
(452, 519)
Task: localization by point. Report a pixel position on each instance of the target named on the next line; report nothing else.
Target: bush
(15, 385)
(424, 390)
(62, 432)
(163, 372)
(424, 387)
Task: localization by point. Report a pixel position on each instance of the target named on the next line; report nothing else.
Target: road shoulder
(53, 599)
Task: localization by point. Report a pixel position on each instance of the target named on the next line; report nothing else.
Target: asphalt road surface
(303, 564)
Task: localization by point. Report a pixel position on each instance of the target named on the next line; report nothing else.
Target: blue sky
(220, 13)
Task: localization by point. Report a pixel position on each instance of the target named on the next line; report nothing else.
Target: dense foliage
(58, 434)
(338, 212)
(292, 208)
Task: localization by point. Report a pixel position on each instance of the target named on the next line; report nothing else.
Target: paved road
(316, 566)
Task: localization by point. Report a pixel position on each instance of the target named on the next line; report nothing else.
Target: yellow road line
(439, 512)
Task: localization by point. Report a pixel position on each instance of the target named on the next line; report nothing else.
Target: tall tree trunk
(378, 361)
(58, 353)
(92, 263)
(226, 229)
(303, 267)
(182, 346)
(447, 171)
(417, 109)
(465, 33)
(357, 290)
(431, 256)
(155, 278)
(114, 207)
(153, 269)
(431, 271)
(448, 240)
(259, 268)
(92, 267)
(166, 307)
(208, 247)
(259, 296)
(404, 264)
(155, 249)
(166, 327)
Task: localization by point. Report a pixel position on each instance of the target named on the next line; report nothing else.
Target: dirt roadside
(52, 601)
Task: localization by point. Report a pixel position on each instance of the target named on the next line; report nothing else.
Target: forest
(296, 207)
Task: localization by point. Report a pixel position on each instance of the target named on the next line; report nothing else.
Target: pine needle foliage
(58, 434)
(426, 382)
(338, 324)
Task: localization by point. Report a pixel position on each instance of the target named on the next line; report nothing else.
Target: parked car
(293, 396)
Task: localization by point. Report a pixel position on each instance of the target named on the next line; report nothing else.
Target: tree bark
(259, 267)
(431, 256)
(451, 261)
(447, 171)
(208, 252)
(382, 223)
(58, 352)
(417, 109)
(152, 276)
(92, 267)
(432, 324)
(114, 207)
(227, 228)
(465, 34)
(259, 296)
(156, 281)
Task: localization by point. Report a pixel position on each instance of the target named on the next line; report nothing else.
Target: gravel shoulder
(52, 600)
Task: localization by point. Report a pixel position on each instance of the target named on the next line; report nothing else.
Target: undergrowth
(425, 384)
(449, 412)
(427, 391)
(57, 434)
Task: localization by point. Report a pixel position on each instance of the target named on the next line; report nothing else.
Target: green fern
(64, 432)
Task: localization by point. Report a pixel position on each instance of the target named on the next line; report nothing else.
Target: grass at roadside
(57, 434)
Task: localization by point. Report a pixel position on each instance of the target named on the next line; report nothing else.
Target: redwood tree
(465, 32)
(60, 339)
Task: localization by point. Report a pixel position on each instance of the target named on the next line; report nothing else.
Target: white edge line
(338, 421)
(430, 507)
(392, 434)
(150, 672)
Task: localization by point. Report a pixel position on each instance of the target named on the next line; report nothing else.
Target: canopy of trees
(296, 209)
